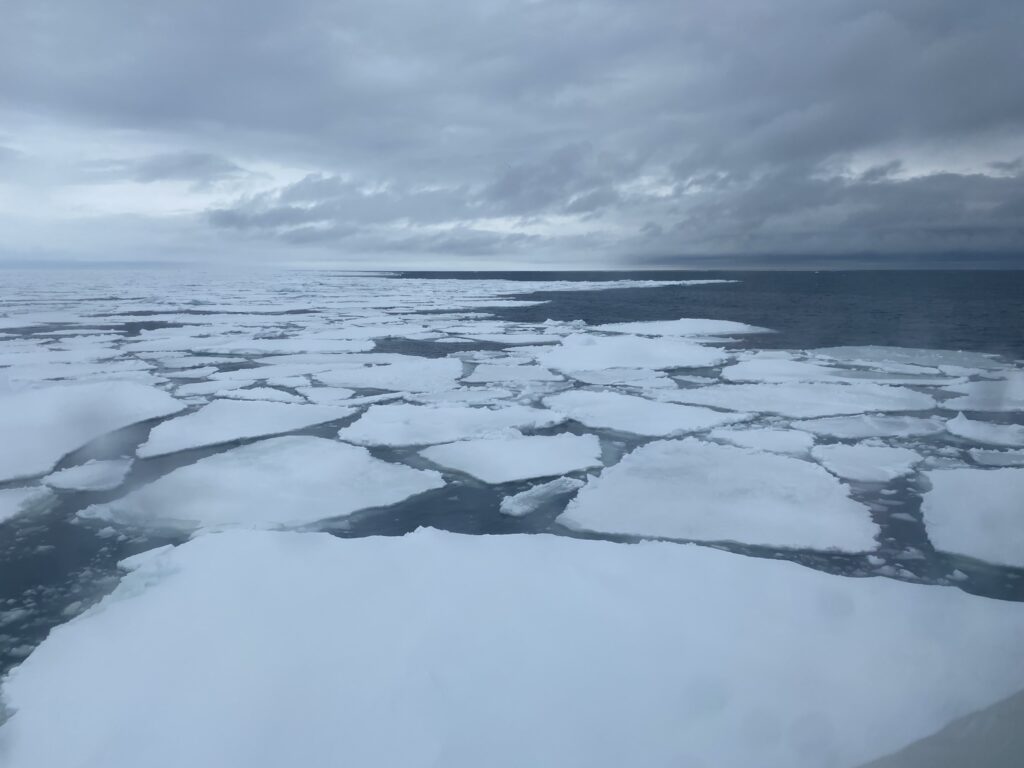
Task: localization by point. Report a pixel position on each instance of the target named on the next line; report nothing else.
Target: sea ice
(15, 501)
(637, 415)
(223, 421)
(407, 424)
(766, 439)
(977, 512)
(1006, 394)
(325, 395)
(585, 352)
(525, 502)
(642, 378)
(91, 476)
(771, 368)
(997, 458)
(487, 372)
(506, 458)
(410, 374)
(40, 426)
(283, 481)
(687, 326)
(1009, 435)
(866, 463)
(264, 649)
(803, 400)
(260, 393)
(690, 489)
(871, 425)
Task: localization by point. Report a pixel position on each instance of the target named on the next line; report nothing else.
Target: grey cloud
(699, 127)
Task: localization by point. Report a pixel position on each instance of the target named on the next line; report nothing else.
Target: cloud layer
(501, 133)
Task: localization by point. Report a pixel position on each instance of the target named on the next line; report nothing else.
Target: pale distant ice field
(770, 519)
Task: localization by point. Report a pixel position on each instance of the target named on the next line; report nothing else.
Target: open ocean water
(51, 567)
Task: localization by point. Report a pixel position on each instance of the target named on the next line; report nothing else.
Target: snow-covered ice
(871, 425)
(505, 458)
(15, 501)
(407, 424)
(40, 426)
(263, 649)
(261, 393)
(997, 458)
(525, 502)
(683, 327)
(409, 374)
(283, 481)
(691, 489)
(587, 352)
(92, 476)
(804, 400)
(637, 415)
(1004, 394)
(1008, 435)
(766, 439)
(488, 372)
(866, 463)
(977, 512)
(224, 421)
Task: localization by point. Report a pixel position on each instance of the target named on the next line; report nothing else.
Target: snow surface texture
(977, 512)
(690, 489)
(223, 421)
(515, 457)
(285, 481)
(40, 426)
(439, 649)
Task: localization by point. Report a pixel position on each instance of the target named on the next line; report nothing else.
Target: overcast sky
(522, 133)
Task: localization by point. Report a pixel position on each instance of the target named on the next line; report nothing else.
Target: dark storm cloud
(667, 127)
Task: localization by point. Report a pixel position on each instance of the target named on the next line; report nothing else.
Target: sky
(478, 134)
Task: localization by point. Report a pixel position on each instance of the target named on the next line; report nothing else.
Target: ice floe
(525, 502)
(587, 352)
(1009, 435)
(504, 458)
(261, 393)
(691, 489)
(766, 439)
(224, 421)
(997, 458)
(637, 415)
(408, 424)
(1005, 394)
(871, 425)
(283, 481)
(803, 400)
(489, 372)
(406, 374)
(866, 463)
(504, 651)
(977, 512)
(92, 476)
(40, 426)
(682, 327)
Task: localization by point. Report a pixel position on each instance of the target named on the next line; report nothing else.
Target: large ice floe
(691, 489)
(408, 424)
(865, 462)
(804, 400)
(586, 352)
(504, 458)
(263, 649)
(284, 481)
(40, 426)
(224, 421)
(977, 512)
(1008, 435)
(637, 415)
